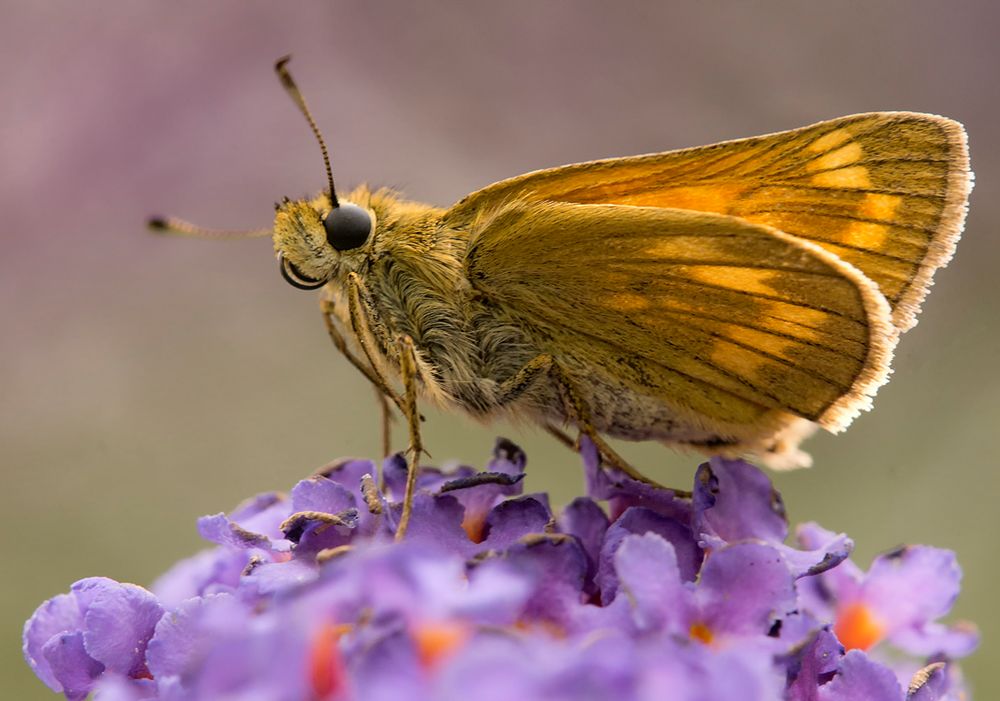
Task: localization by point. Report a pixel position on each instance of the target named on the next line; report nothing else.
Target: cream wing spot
(852, 177)
(843, 156)
(746, 279)
(880, 206)
(830, 141)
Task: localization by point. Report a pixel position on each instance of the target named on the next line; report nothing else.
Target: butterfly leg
(366, 323)
(576, 407)
(408, 370)
(366, 369)
(381, 389)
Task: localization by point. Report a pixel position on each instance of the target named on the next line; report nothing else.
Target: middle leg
(544, 365)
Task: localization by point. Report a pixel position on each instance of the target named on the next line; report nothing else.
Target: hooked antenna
(296, 95)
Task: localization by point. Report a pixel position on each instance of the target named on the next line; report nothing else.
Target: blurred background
(147, 381)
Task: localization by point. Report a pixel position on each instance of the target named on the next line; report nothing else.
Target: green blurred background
(147, 381)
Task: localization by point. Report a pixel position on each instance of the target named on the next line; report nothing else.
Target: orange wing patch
(884, 191)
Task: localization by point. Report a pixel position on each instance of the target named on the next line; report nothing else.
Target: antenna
(179, 227)
(296, 95)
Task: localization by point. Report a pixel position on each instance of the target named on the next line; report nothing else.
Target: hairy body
(728, 298)
(470, 347)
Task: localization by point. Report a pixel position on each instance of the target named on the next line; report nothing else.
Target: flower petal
(765, 586)
(118, 623)
(639, 520)
(861, 679)
(733, 500)
(650, 578)
(60, 614)
(70, 665)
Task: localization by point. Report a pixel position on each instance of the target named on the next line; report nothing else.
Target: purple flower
(898, 600)
(492, 595)
(734, 501)
(100, 627)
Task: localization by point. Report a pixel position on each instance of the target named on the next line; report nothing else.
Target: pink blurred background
(146, 381)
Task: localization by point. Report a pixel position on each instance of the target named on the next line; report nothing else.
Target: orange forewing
(883, 191)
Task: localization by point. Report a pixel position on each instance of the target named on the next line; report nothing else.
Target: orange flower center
(858, 627)
(474, 525)
(437, 641)
(325, 664)
(700, 632)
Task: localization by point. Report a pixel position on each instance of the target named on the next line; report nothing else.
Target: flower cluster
(492, 595)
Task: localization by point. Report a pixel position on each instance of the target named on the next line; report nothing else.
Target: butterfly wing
(884, 191)
(718, 317)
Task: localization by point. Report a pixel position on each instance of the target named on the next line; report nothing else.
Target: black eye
(295, 278)
(347, 226)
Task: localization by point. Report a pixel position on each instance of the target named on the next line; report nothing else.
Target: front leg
(359, 328)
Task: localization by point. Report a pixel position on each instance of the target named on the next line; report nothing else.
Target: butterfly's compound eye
(296, 279)
(347, 226)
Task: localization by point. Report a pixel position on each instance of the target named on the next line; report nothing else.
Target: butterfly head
(313, 239)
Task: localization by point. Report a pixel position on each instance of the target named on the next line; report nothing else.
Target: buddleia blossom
(629, 592)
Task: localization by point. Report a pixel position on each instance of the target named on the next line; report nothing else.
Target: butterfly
(726, 298)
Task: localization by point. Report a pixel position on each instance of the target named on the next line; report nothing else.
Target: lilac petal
(389, 670)
(254, 664)
(496, 666)
(798, 630)
(223, 530)
(639, 520)
(587, 522)
(72, 668)
(555, 565)
(212, 570)
(315, 531)
(733, 500)
(813, 666)
(622, 492)
(820, 594)
(825, 556)
(513, 519)
(218, 529)
(530, 667)
(700, 673)
(827, 551)
(912, 586)
(603, 669)
(256, 524)
(394, 475)
(184, 637)
(650, 578)
(861, 679)
(268, 578)
(114, 687)
(436, 523)
(938, 640)
(744, 588)
(929, 684)
(118, 622)
(60, 614)
(508, 458)
(478, 494)
(347, 472)
(323, 495)
(394, 471)
(440, 590)
(495, 595)
(255, 505)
